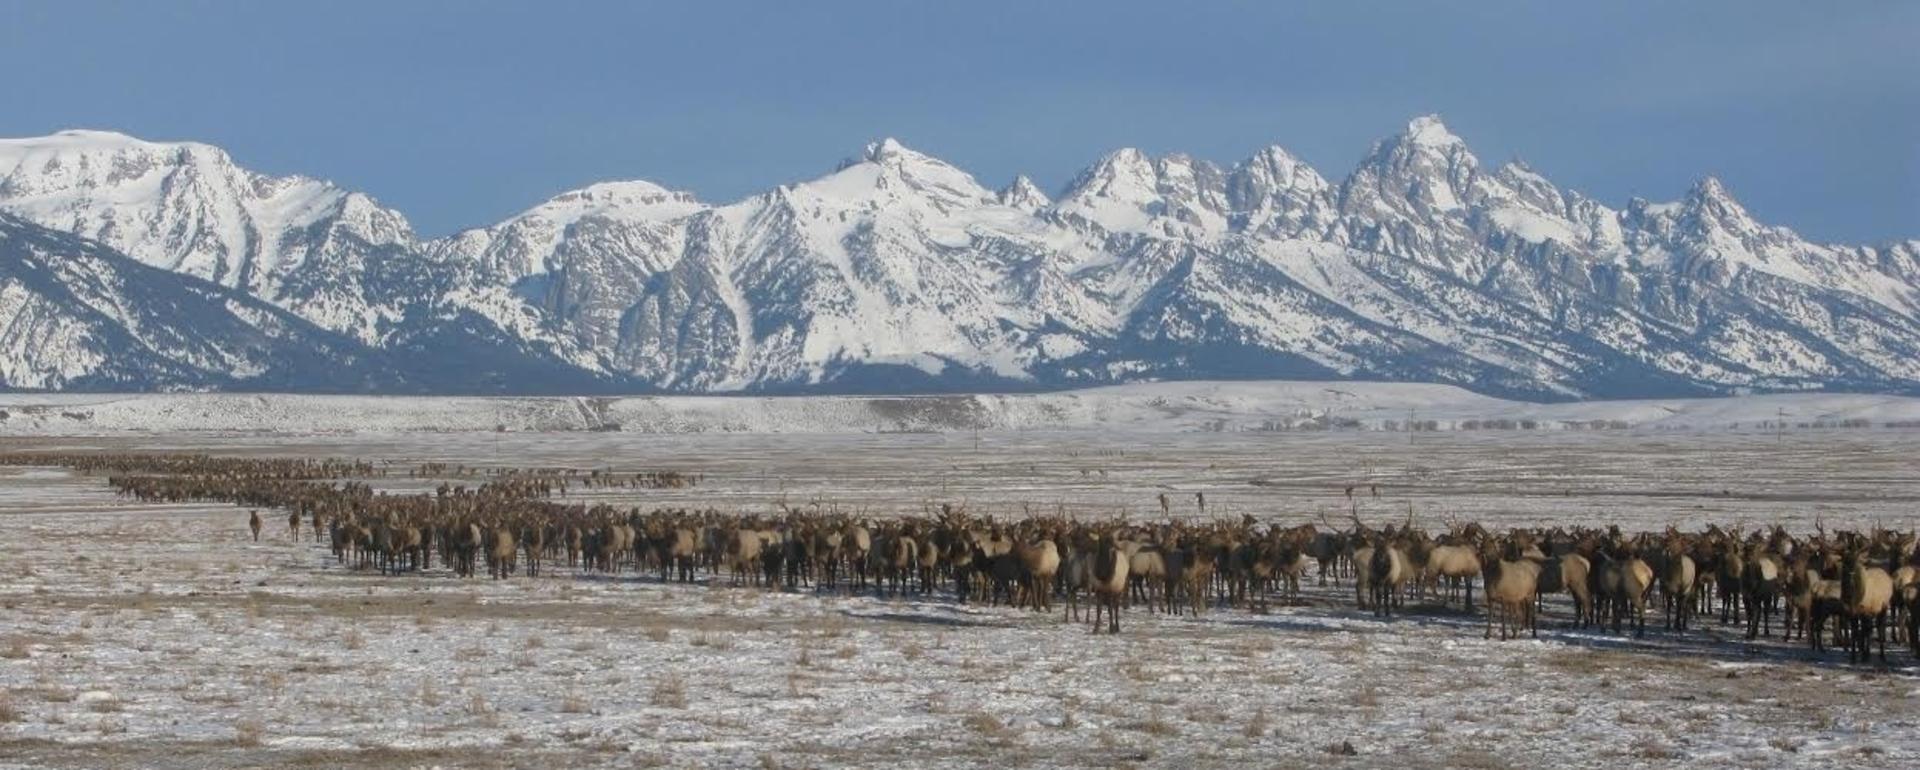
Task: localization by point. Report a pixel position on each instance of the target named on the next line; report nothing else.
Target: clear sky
(460, 113)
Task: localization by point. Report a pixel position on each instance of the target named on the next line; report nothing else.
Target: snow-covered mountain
(74, 314)
(898, 271)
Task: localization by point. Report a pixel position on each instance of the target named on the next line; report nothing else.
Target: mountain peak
(1711, 199)
(887, 149)
(91, 142)
(626, 199)
(1709, 186)
(1429, 131)
(96, 135)
(1275, 167)
(1023, 194)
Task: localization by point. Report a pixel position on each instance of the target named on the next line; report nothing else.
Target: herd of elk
(1848, 587)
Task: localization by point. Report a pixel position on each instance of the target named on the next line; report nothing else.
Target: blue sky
(462, 113)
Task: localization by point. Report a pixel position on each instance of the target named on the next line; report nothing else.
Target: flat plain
(163, 636)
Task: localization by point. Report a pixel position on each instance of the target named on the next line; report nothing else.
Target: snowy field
(161, 636)
(1166, 407)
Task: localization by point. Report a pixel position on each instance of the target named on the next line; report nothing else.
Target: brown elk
(1457, 564)
(897, 561)
(501, 553)
(1677, 576)
(1621, 580)
(1326, 549)
(742, 554)
(1147, 575)
(253, 523)
(1039, 563)
(1512, 589)
(1802, 587)
(1866, 596)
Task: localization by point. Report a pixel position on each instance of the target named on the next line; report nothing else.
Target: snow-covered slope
(76, 315)
(300, 243)
(898, 271)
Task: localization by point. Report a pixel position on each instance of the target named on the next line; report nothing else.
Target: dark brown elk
(1730, 569)
(1109, 582)
(533, 539)
(1076, 572)
(1388, 572)
(253, 523)
(1570, 572)
(465, 544)
(1677, 582)
(1760, 589)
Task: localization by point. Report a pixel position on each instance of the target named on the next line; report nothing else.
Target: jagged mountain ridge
(900, 272)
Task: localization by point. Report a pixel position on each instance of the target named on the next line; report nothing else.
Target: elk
(1727, 581)
(1676, 585)
(1569, 572)
(1109, 585)
(743, 554)
(1076, 573)
(466, 544)
(1147, 575)
(500, 553)
(293, 525)
(1326, 548)
(1039, 563)
(1457, 564)
(898, 560)
(253, 523)
(1289, 564)
(855, 544)
(929, 564)
(1910, 596)
(1620, 581)
(1388, 569)
(1512, 589)
(680, 549)
(1197, 577)
(1362, 560)
(534, 538)
(1759, 588)
(1866, 595)
(1803, 587)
